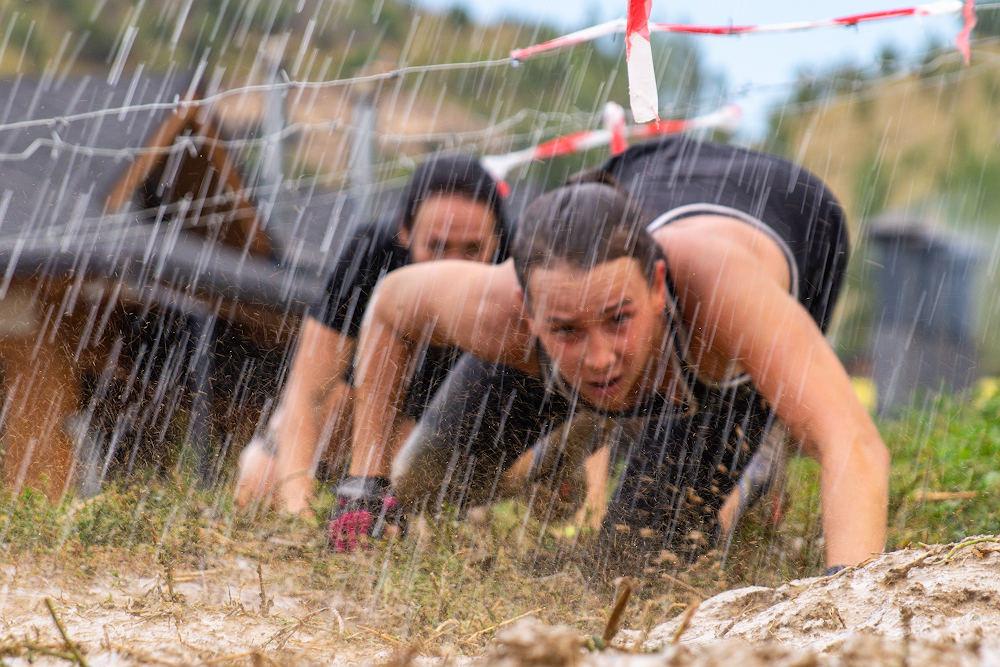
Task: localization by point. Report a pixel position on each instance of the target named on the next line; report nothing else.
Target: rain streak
(396, 333)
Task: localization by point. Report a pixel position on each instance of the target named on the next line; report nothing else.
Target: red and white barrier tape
(614, 122)
(940, 8)
(968, 23)
(639, 60)
(637, 27)
(614, 133)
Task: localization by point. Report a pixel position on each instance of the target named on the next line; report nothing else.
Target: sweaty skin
(316, 405)
(602, 328)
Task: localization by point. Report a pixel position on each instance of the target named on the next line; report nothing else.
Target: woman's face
(599, 326)
(451, 227)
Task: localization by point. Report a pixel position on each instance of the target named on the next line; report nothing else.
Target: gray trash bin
(924, 327)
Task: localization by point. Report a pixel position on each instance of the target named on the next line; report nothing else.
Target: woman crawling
(452, 209)
(683, 290)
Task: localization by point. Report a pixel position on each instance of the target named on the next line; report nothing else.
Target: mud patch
(935, 606)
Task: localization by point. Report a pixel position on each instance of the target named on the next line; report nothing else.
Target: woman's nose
(600, 352)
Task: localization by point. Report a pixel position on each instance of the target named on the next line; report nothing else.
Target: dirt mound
(947, 594)
(939, 605)
(860, 650)
(929, 607)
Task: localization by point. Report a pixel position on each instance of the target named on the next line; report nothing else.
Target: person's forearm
(379, 391)
(855, 497)
(316, 376)
(433, 303)
(300, 428)
(298, 437)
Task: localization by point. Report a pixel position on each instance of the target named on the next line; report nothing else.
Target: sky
(757, 67)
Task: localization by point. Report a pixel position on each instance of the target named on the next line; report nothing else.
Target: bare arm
(740, 308)
(473, 306)
(315, 404)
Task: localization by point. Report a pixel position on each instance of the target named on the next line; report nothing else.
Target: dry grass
(180, 577)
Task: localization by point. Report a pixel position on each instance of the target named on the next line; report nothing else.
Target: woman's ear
(403, 234)
(658, 289)
(519, 292)
(526, 309)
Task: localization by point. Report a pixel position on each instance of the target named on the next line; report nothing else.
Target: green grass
(950, 445)
(450, 584)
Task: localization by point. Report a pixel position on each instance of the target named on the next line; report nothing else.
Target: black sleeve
(368, 256)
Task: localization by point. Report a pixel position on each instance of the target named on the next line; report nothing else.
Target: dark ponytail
(589, 220)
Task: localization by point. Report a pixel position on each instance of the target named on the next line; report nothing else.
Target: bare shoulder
(474, 306)
(702, 250)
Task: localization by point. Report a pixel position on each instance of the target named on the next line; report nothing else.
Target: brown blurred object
(67, 303)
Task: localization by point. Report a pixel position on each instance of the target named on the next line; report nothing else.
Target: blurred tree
(888, 59)
(685, 84)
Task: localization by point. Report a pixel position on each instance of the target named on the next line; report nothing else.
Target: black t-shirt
(371, 253)
(678, 170)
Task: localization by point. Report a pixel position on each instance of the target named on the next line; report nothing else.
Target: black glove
(365, 506)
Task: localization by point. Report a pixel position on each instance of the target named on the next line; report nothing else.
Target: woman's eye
(564, 330)
(621, 318)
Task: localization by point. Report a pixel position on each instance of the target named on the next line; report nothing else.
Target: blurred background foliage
(916, 133)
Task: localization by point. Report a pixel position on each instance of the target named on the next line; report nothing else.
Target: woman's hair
(587, 221)
(452, 174)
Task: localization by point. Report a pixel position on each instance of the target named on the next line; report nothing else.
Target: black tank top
(675, 172)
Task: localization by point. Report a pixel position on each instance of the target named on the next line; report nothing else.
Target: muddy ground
(939, 605)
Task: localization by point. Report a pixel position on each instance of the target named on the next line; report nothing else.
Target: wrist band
(834, 569)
